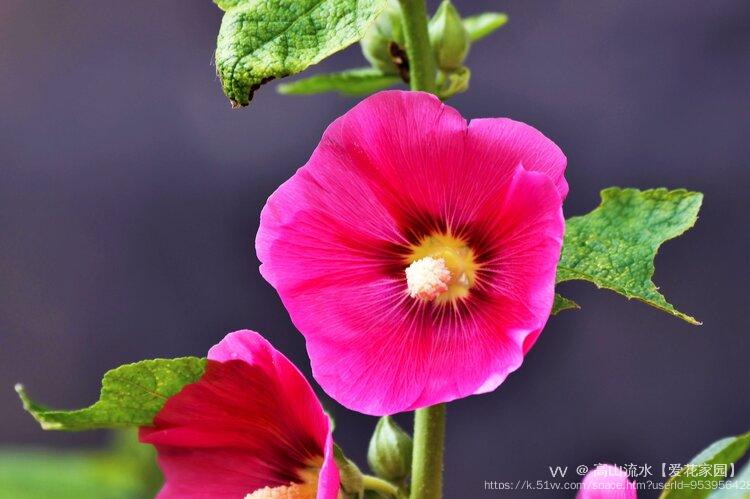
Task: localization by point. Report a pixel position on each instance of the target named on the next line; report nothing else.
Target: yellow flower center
(441, 268)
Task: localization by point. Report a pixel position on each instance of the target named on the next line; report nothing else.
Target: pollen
(441, 268)
(306, 488)
(292, 491)
(427, 278)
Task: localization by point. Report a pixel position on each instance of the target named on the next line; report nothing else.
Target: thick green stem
(418, 50)
(427, 460)
(429, 423)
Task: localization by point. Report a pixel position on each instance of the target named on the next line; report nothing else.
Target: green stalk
(422, 67)
(379, 485)
(429, 423)
(427, 460)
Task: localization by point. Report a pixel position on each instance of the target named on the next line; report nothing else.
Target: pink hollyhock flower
(415, 252)
(606, 482)
(250, 428)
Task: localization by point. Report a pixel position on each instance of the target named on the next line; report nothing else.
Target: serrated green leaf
(561, 304)
(360, 81)
(687, 484)
(484, 24)
(614, 246)
(266, 39)
(131, 395)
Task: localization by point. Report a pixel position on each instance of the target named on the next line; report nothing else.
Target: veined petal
(500, 144)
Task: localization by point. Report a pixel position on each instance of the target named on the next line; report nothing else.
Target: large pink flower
(416, 252)
(251, 427)
(607, 482)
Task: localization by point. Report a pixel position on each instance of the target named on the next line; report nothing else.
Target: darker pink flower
(607, 482)
(416, 252)
(250, 428)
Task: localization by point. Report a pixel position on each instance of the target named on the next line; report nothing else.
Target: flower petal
(606, 482)
(251, 421)
(500, 144)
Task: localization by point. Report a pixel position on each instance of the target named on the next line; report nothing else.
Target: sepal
(352, 484)
(453, 82)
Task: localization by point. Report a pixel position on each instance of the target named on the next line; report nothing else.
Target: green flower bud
(449, 38)
(389, 453)
(386, 30)
(349, 475)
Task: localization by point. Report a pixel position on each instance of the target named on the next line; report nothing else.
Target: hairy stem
(429, 423)
(421, 59)
(427, 461)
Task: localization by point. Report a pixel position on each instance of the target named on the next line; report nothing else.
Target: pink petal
(251, 421)
(502, 143)
(607, 482)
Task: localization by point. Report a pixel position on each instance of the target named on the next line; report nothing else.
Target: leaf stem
(379, 485)
(427, 461)
(421, 59)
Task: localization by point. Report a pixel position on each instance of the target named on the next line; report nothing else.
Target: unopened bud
(389, 454)
(449, 38)
(377, 42)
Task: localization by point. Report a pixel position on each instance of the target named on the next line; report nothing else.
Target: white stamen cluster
(427, 278)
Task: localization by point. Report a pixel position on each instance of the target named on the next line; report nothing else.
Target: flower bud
(349, 475)
(389, 453)
(386, 30)
(449, 38)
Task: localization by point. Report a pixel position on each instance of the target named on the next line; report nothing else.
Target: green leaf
(131, 395)
(687, 484)
(360, 81)
(228, 4)
(484, 24)
(736, 488)
(561, 304)
(614, 246)
(127, 470)
(266, 39)
(34, 474)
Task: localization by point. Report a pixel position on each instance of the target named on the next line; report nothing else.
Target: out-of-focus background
(130, 194)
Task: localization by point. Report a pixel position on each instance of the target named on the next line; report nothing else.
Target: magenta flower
(607, 482)
(415, 252)
(250, 428)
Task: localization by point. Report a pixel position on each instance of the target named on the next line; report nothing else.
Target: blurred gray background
(130, 194)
